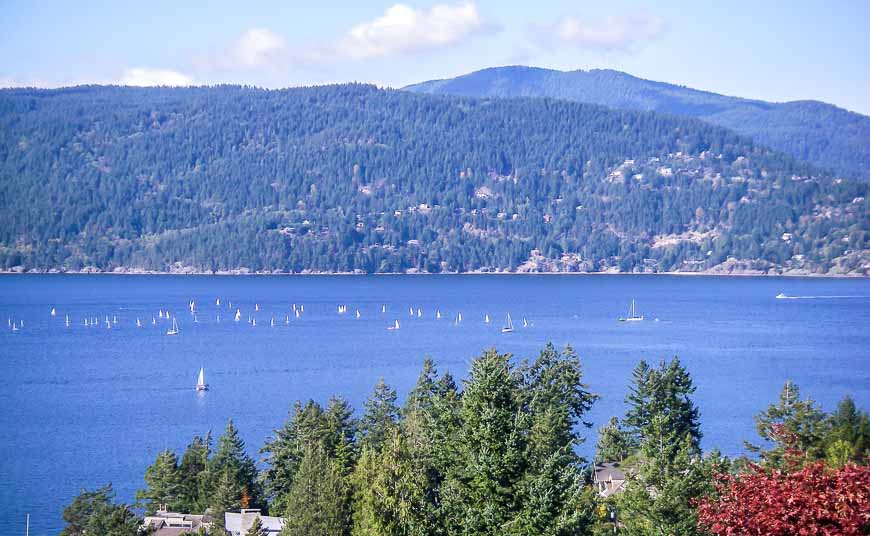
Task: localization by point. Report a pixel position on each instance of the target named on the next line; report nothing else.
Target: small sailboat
(217, 319)
(253, 322)
(286, 320)
(383, 308)
(633, 316)
(174, 329)
(525, 322)
(419, 313)
(298, 313)
(256, 306)
(217, 302)
(302, 308)
(411, 311)
(53, 312)
(114, 319)
(86, 322)
(153, 321)
(508, 326)
(394, 327)
(438, 314)
(195, 319)
(192, 306)
(238, 314)
(108, 324)
(138, 323)
(486, 318)
(200, 382)
(272, 323)
(458, 319)
(14, 327)
(160, 313)
(66, 320)
(358, 315)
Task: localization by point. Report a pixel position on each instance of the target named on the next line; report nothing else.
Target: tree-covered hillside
(821, 134)
(353, 178)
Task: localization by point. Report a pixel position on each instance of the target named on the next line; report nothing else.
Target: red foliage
(815, 500)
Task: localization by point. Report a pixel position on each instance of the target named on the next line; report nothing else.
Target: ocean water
(83, 406)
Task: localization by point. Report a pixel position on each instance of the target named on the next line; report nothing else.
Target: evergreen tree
(848, 436)
(318, 499)
(480, 493)
(795, 427)
(379, 417)
(257, 528)
(163, 484)
(95, 512)
(234, 473)
(193, 475)
(614, 444)
(340, 430)
(304, 428)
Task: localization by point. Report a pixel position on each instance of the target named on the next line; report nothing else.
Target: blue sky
(777, 51)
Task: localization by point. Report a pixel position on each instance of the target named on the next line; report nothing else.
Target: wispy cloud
(143, 76)
(622, 33)
(258, 47)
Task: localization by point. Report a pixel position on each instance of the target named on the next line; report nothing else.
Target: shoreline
(475, 273)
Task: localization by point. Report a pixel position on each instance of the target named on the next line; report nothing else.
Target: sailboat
(174, 329)
(486, 318)
(53, 312)
(438, 314)
(114, 319)
(298, 313)
(383, 308)
(138, 323)
(286, 320)
(394, 327)
(632, 314)
(153, 321)
(217, 302)
(411, 311)
(525, 322)
(358, 315)
(458, 319)
(419, 313)
(14, 327)
(256, 306)
(238, 314)
(200, 382)
(509, 325)
(253, 322)
(66, 320)
(272, 323)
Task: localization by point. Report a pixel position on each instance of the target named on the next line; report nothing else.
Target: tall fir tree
(95, 512)
(795, 428)
(317, 503)
(235, 474)
(848, 434)
(481, 491)
(379, 417)
(163, 485)
(614, 444)
(193, 475)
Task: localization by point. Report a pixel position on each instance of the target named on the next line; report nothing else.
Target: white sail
(200, 381)
(438, 313)
(174, 329)
(138, 323)
(383, 308)
(633, 316)
(419, 313)
(66, 320)
(153, 321)
(217, 302)
(509, 325)
(256, 306)
(525, 322)
(358, 314)
(286, 319)
(394, 327)
(272, 323)
(486, 318)
(53, 312)
(411, 311)
(298, 313)
(238, 314)
(254, 322)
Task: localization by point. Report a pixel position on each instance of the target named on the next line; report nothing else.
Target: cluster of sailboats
(297, 311)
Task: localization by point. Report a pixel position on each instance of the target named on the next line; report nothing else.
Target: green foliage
(318, 500)
(379, 417)
(257, 528)
(614, 444)
(848, 435)
(353, 178)
(193, 475)
(796, 428)
(233, 476)
(164, 485)
(95, 512)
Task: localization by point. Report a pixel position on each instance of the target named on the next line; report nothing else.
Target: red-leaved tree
(813, 500)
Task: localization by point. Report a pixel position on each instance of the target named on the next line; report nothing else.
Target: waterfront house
(166, 523)
(608, 478)
(238, 524)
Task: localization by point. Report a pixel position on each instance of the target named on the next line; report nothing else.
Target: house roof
(239, 523)
(608, 471)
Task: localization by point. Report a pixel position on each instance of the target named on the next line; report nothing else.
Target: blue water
(85, 406)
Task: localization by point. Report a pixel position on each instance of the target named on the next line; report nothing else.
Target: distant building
(237, 524)
(608, 478)
(165, 523)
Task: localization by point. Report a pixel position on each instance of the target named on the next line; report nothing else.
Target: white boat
(508, 326)
(86, 322)
(200, 382)
(192, 306)
(358, 315)
(218, 319)
(632, 314)
(419, 313)
(14, 327)
(217, 302)
(53, 312)
(394, 327)
(438, 314)
(525, 322)
(272, 322)
(782, 296)
(253, 322)
(138, 323)
(298, 313)
(195, 319)
(238, 314)
(458, 319)
(153, 321)
(286, 320)
(108, 324)
(114, 319)
(383, 308)
(302, 308)
(174, 329)
(66, 320)
(411, 311)
(256, 306)
(160, 313)
(486, 318)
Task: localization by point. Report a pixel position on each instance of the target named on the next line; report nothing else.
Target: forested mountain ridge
(821, 134)
(353, 178)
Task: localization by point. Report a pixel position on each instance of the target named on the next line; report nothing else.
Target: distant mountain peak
(816, 132)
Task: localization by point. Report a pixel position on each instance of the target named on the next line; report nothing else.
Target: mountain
(821, 134)
(353, 178)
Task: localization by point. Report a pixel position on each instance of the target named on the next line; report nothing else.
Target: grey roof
(608, 471)
(238, 524)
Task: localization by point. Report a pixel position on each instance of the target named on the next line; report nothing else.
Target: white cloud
(624, 33)
(257, 47)
(142, 76)
(403, 29)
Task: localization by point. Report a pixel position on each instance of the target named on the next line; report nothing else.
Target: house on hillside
(238, 524)
(608, 478)
(166, 523)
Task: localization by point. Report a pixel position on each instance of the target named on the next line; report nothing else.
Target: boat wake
(833, 297)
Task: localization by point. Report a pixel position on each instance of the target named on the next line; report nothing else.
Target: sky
(775, 50)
